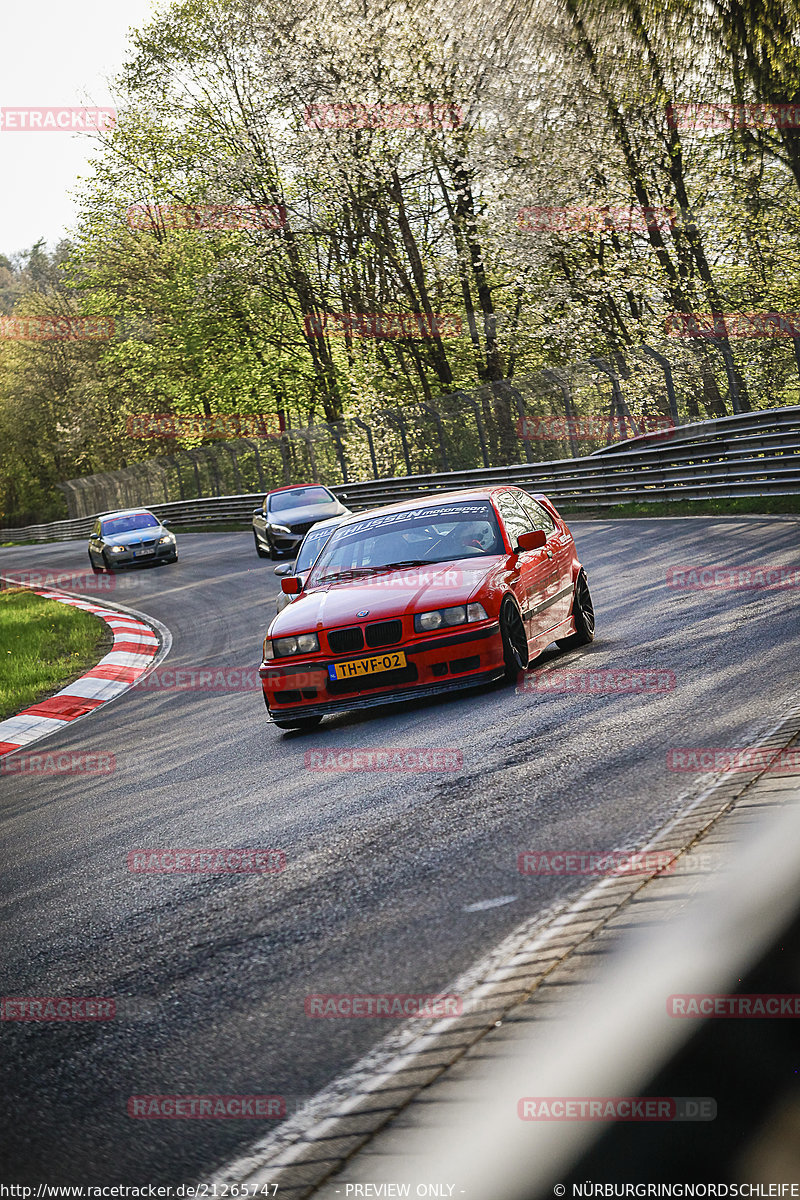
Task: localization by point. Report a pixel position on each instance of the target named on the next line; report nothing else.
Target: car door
(95, 541)
(533, 575)
(260, 519)
(561, 545)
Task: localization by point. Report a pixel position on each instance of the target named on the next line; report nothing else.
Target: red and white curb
(139, 644)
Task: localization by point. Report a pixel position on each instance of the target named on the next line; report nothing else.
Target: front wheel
(299, 723)
(260, 551)
(97, 570)
(107, 564)
(582, 614)
(515, 643)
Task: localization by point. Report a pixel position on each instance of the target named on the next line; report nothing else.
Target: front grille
(368, 683)
(301, 526)
(343, 640)
(384, 633)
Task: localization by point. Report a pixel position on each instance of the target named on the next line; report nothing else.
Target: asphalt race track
(209, 971)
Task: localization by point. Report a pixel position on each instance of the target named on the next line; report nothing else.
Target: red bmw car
(425, 596)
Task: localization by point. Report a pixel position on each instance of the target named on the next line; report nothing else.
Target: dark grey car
(131, 537)
(286, 515)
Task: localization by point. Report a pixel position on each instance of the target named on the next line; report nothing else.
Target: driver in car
(471, 537)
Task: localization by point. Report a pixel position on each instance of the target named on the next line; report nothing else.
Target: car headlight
(277, 528)
(440, 618)
(116, 549)
(168, 537)
(304, 643)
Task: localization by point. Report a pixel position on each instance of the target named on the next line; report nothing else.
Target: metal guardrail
(755, 454)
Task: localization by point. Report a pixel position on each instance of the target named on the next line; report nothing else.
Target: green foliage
(557, 106)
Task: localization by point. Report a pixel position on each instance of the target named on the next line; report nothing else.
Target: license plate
(142, 553)
(373, 665)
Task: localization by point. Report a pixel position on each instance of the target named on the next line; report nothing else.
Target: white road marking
(480, 905)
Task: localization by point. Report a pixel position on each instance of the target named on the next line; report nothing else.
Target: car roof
(327, 521)
(127, 512)
(292, 487)
(430, 501)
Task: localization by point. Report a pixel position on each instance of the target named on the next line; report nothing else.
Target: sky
(55, 55)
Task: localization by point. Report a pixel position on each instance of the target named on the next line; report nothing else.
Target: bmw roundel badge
(364, 613)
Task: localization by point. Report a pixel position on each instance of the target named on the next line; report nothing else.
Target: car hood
(386, 594)
(309, 512)
(150, 534)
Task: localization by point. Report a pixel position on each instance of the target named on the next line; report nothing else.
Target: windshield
(408, 539)
(313, 542)
(126, 524)
(299, 498)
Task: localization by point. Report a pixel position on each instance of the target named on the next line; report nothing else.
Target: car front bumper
(131, 558)
(435, 664)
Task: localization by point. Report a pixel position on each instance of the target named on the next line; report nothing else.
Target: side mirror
(286, 568)
(292, 585)
(532, 541)
(257, 511)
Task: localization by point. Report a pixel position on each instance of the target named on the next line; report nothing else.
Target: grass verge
(755, 506)
(43, 646)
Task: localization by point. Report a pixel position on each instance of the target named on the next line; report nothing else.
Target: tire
(273, 553)
(107, 565)
(299, 723)
(97, 570)
(515, 642)
(582, 614)
(260, 551)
